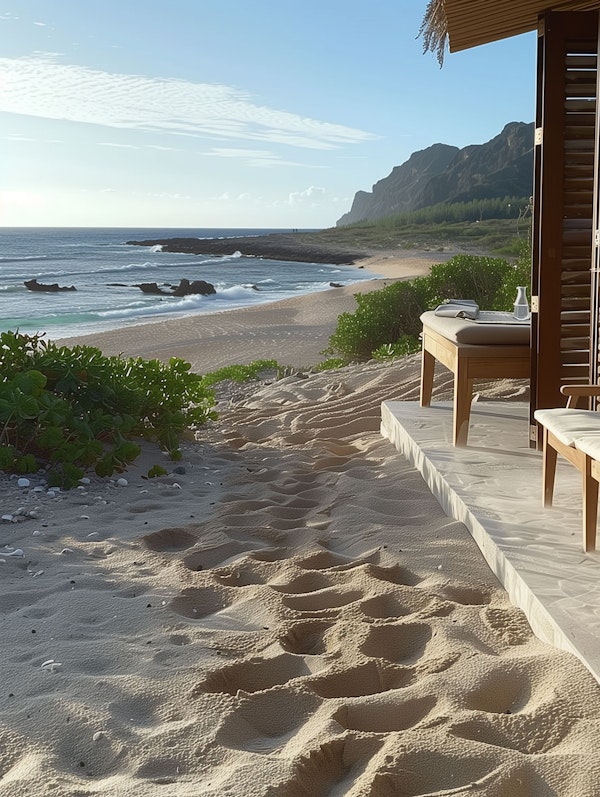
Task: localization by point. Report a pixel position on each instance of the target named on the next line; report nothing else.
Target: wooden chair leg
(590, 507)
(548, 470)
(427, 369)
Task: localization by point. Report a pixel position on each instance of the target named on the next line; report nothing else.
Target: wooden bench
(471, 350)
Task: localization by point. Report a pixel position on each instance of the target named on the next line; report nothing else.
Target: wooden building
(565, 287)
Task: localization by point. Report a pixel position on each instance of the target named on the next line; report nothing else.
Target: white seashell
(8, 518)
(23, 482)
(84, 517)
(97, 735)
(85, 480)
(16, 552)
(51, 665)
(122, 482)
(37, 533)
(67, 550)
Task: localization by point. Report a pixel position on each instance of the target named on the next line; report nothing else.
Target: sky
(230, 113)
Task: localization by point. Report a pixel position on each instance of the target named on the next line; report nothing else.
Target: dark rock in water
(151, 287)
(54, 287)
(187, 288)
(335, 285)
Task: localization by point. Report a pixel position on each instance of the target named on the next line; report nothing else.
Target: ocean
(104, 271)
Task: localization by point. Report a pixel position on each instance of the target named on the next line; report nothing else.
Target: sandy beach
(287, 613)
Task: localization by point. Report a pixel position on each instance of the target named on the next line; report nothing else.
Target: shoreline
(293, 331)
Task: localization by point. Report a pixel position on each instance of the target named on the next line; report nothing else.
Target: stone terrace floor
(494, 487)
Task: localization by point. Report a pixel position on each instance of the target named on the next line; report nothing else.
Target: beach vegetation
(240, 373)
(386, 322)
(329, 365)
(69, 410)
(487, 227)
(408, 344)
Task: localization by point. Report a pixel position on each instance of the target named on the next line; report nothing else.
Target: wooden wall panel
(564, 204)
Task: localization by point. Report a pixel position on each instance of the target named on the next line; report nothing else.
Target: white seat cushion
(569, 425)
(589, 444)
(463, 330)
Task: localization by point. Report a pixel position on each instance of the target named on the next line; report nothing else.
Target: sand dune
(287, 613)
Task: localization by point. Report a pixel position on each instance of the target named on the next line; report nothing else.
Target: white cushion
(463, 330)
(569, 425)
(589, 444)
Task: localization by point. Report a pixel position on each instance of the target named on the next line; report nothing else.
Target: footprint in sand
(175, 539)
(384, 715)
(256, 675)
(321, 600)
(307, 639)
(332, 768)
(364, 679)
(266, 721)
(531, 734)
(401, 643)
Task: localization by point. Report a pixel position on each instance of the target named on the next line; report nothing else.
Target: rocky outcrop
(276, 246)
(54, 287)
(441, 173)
(185, 288)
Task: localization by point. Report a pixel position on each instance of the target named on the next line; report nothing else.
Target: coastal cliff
(501, 167)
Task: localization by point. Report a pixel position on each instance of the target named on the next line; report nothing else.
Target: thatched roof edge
(434, 30)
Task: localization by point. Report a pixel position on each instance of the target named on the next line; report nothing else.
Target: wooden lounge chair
(574, 434)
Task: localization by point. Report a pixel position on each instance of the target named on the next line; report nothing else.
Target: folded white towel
(458, 308)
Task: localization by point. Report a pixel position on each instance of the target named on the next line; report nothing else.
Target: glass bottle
(521, 304)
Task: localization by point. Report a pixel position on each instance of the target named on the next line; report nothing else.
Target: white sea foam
(106, 272)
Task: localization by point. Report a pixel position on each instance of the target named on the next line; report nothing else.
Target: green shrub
(240, 373)
(408, 344)
(68, 410)
(466, 277)
(387, 322)
(381, 317)
(329, 364)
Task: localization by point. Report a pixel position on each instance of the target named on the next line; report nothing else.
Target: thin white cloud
(43, 88)
(311, 193)
(119, 146)
(257, 157)
(161, 148)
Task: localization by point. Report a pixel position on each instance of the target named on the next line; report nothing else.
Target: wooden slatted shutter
(564, 205)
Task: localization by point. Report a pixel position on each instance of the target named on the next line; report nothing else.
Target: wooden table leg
(463, 390)
(427, 369)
